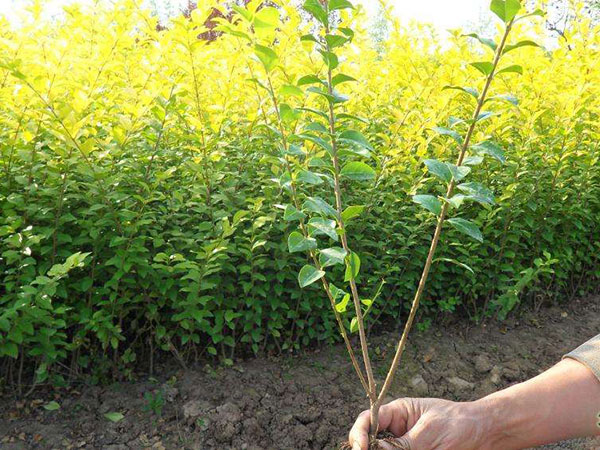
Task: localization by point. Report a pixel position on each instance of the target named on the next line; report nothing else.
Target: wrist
(502, 422)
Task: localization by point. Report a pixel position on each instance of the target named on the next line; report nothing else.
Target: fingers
(395, 416)
(413, 438)
(359, 434)
(396, 444)
(392, 416)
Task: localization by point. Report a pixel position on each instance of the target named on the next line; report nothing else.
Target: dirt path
(300, 402)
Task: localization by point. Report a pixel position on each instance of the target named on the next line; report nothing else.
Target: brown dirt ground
(303, 401)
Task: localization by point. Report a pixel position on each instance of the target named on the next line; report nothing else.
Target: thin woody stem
(372, 391)
(438, 229)
(312, 254)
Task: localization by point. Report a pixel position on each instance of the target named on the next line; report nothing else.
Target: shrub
(137, 201)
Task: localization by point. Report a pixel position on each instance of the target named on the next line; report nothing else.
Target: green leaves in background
(267, 57)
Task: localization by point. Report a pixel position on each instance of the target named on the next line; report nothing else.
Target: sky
(443, 14)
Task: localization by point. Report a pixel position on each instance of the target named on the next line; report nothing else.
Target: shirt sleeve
(588, 354)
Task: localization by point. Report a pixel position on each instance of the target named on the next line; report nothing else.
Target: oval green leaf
(429, 202)
(357, 170)
(308, 275)
(466, 227)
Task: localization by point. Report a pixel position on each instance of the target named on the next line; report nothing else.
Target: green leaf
(351, 212)
(458, 173)
(347, 31)
(466, 227)
(289, 90)
(114, 416)
(467, 90)
(447, 132)
(341, 78)
(525, 43)
(308, 38)
(298, 243)
(439, 169)
(473, 160)
(51, 406)
(306, 176)
(289, 114)
(308, 275)
(267, 57)
(485, 67)
(429, 202)
(335, 40)
(485, 41)
(319, 206)
(515, 68)
(505, 97)
(315, 90)
(537, 12)
(247, 15)
(316, 140)
(454, 261)
(339, 4)
(352, 266)
(318, 226)
(457, 200)
(506, 10)
(316, 10)
(343, 305)
(308, 79)
(355, 138)
(317, 127)
(76, 260)
(330, 59)
(292, 214)
(357, 170)
(330, 256)
(354, 325)
(491, 149)
(346, 116)
(10, 349)
(477, 192)
(335, 291)
(266, 17)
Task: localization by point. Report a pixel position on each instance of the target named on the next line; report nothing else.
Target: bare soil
(305, 401)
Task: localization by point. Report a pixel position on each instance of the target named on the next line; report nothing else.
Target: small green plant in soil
(154, 402)
(322, 153)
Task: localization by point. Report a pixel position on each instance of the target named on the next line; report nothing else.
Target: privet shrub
(137, 185)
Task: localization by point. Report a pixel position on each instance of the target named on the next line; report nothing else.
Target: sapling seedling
(320, 147)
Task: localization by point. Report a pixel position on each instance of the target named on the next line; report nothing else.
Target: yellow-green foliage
(136, 192)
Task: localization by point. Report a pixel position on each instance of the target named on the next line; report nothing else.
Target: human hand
(425, 424)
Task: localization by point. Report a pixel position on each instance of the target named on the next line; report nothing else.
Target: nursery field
(305, 401)
(260, 181)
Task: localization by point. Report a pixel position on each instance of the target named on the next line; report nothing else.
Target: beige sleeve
(588, 354)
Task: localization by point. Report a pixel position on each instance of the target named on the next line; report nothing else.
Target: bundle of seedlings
(320, 150)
